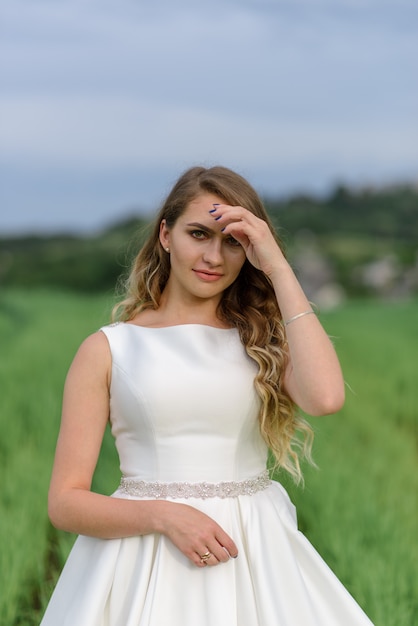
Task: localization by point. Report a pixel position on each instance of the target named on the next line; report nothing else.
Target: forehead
(201, 205)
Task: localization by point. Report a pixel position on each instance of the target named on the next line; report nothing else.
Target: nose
(213, 252)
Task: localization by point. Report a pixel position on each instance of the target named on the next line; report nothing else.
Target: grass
(39, 333)
(359, 509)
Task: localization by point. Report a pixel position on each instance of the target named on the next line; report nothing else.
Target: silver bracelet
(295, 317)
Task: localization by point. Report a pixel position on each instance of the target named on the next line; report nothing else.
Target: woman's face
(204, 261)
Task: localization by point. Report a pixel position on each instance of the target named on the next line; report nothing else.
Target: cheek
(238, 262)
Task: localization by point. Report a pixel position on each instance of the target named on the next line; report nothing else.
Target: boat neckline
(176, 326)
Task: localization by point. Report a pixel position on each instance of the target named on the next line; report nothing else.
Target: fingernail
(222, 229)
(212, 210)
(218, 218)
(216, 204)
(235, 557)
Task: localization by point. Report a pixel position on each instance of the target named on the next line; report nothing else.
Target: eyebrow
(202, 227)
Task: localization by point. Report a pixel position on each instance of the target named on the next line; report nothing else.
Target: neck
(171, 313)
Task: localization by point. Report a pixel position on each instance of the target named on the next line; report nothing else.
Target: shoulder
(95, 344)
(93, 355)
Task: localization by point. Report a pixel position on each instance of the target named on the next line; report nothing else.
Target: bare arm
(313, 379)
(71, 504)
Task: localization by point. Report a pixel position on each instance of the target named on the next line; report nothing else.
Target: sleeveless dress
(184, 417)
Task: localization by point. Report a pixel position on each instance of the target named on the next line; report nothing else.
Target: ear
(164, 235)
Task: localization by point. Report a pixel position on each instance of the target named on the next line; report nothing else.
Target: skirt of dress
(278, 578)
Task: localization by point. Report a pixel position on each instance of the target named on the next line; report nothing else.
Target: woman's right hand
(74, 508)
(195, 534)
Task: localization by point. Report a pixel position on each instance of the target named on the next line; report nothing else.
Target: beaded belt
(229, 489)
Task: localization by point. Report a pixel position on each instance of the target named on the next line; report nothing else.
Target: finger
(224, 212)
(207, 558)
(247, 233)
(220, 554)
(243, 229)
(238, 231)
(227, 544)
(212, 561)
(213, 552)
(198, 560)
(216, 552)
(230, 556)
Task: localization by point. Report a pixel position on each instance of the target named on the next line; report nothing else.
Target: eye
(232, 242)
(198, 234)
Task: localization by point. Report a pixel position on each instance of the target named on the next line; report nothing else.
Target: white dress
(184, 417)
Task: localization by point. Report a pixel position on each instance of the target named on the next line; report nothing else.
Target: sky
(104, 103)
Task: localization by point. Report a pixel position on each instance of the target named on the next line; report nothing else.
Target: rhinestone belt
(229, 489)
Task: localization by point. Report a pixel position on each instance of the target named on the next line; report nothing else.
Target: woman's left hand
(252, 233)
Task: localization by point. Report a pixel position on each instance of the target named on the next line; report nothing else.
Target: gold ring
(205, 556)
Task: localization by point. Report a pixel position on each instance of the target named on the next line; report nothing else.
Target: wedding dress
(184, 417)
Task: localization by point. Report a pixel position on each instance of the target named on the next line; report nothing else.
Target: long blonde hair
(249, 304)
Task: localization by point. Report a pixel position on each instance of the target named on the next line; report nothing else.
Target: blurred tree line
(361, 242)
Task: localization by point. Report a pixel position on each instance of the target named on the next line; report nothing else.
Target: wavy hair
(249, 304)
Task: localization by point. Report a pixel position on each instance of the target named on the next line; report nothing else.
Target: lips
(207, 276)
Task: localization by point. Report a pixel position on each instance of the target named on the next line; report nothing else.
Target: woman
(215, 345)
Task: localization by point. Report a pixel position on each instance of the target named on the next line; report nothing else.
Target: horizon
(105, 103)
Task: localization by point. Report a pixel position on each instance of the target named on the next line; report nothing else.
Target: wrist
(277, 269)
(161, 513)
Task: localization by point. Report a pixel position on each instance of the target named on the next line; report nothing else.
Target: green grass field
(359, 508)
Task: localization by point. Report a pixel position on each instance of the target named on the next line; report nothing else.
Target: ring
(205, 556)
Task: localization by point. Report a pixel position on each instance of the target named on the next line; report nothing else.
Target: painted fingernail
(212, 210)
(216, 204)
(218, 218)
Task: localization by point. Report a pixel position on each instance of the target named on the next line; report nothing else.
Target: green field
(359, 509)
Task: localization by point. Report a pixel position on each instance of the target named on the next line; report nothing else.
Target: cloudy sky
(105, 102)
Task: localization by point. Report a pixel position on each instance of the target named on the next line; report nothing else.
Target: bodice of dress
(183, 406)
